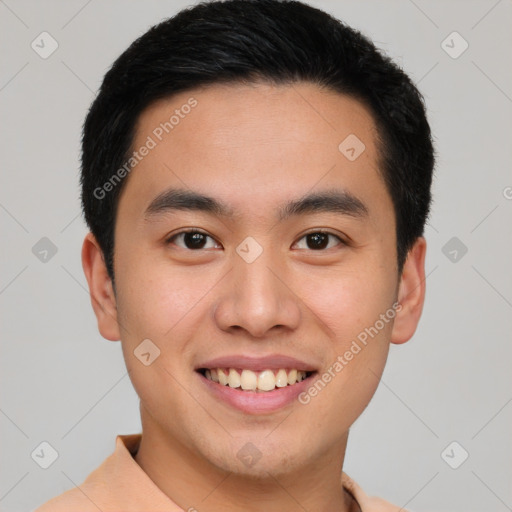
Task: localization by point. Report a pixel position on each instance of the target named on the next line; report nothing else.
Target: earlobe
(411, 293)
(101, 291)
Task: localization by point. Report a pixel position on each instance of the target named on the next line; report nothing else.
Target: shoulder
(367, 503)
(95, 491)
(69, 501)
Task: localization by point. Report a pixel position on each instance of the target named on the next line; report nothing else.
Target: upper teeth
(251, 381)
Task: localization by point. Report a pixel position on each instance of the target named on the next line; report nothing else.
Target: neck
(194, 483)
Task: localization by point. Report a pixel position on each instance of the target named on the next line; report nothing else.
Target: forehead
(252, 144)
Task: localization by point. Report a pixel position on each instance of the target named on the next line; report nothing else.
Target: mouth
(252, 381)
(256, 385)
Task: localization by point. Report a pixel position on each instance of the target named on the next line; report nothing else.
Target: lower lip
(252, 402)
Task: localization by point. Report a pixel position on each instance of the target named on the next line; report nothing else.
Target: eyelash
(193, 230)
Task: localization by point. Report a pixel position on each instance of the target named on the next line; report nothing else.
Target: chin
(258, 458)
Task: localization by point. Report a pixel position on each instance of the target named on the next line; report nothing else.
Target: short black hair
(246, 41)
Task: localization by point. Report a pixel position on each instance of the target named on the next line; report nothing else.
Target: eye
(319, 240)
(193, 240)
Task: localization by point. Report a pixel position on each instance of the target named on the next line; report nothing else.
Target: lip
(252, 402)
(258, 364)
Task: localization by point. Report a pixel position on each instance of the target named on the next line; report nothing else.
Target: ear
(103, 299)
(411, 293)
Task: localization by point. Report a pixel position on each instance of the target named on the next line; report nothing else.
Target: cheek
(166, 306)
(156, 299)
(347, 303)
(350, 305)
(161, 307)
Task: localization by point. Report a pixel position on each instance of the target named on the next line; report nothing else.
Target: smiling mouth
(247, 380)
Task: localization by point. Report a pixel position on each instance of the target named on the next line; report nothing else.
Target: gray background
(64, 384)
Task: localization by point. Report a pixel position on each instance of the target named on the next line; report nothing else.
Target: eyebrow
(328, 201)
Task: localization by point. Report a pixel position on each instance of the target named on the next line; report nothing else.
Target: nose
(257, 298)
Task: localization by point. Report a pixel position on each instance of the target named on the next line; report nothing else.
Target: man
(256, 178)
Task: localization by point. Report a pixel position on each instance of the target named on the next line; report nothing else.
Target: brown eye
(193, 240)
(319, 240)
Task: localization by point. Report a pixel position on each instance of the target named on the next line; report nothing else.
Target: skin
(254, 147)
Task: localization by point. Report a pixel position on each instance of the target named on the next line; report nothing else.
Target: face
(249, 240)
